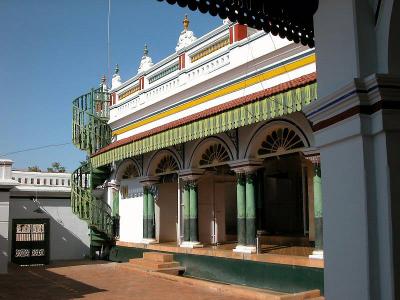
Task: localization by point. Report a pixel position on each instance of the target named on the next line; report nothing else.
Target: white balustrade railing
(159, 92)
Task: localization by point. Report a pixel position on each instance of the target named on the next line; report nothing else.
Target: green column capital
(250, 178)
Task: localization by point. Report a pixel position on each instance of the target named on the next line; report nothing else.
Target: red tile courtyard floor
(98, 280)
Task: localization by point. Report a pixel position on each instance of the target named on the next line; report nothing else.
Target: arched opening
(165, 165)
(217, 192)
(283, 185)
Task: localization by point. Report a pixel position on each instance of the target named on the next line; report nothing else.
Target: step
(312, 294)
(157, 256)
(153, 264)
(170, 271)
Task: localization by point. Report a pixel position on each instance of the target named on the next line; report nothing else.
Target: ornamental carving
(166, 165)
(214, 154)
(130, 172)
(279, 141)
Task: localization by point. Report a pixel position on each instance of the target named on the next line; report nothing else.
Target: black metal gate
(30, 241)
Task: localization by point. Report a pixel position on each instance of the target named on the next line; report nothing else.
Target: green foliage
(34, 169)
(56, 168)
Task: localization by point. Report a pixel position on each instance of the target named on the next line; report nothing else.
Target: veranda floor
(289, 255)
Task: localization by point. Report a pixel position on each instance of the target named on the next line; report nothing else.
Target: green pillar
(250, 211)
(318, 206)
(151, 225)
(115, 207)
(241, 208)
(115, 213)
(186, 212)
(145, 212)
(193, 212)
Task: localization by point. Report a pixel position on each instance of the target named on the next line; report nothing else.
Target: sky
(52, 51)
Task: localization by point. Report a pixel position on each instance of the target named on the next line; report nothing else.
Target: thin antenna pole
(108, 39)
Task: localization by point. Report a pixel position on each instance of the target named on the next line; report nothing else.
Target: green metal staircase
(90, 132)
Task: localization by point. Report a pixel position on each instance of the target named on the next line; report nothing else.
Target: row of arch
(271, 139)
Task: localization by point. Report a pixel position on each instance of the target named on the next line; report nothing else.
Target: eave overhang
(290, 19)
(270, 103)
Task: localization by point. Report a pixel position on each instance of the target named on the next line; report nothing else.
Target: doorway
(30, 241)
(283, 205)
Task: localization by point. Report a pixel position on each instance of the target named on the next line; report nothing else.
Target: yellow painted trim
(232, 88)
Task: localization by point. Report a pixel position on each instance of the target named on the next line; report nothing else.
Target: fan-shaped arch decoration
(167, 164)
(214, 154)
(130, 172)
(279, 141)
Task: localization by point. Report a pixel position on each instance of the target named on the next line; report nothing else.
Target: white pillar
(6, 183)
(356, 126)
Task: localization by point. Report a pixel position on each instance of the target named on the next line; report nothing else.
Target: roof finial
(146, 62)
(103, 84)
(116, 78)
(186, 23)
(186, 37)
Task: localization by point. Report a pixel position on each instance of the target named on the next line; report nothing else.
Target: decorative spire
(185, 23)
(186, 37)
(103, 82)
(146, 62)
(116, 79)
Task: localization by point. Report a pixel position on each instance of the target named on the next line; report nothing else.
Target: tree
(34, 169)
(56, 168)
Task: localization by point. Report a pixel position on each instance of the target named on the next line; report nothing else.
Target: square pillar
(357, 130)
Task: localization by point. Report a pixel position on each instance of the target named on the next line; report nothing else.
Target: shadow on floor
(41, 283)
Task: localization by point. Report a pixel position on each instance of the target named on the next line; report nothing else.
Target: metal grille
(30, 244)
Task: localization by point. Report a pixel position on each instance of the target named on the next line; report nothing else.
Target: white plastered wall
(131, 213)
(69, 235)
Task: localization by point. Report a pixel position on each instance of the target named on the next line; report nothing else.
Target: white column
(356, 126)
(6, 183)
(356, 130)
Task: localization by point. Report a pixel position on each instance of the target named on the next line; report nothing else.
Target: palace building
(207, 152)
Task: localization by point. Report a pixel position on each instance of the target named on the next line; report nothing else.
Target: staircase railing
(90, 113)
(90, 132)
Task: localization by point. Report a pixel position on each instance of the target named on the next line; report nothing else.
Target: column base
(317, 254)
(245, 249)
(187, 244)
(149, 241)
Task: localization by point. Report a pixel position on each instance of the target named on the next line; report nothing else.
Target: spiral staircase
(90, 132)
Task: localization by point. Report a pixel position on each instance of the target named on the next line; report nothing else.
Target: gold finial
(186, 23)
